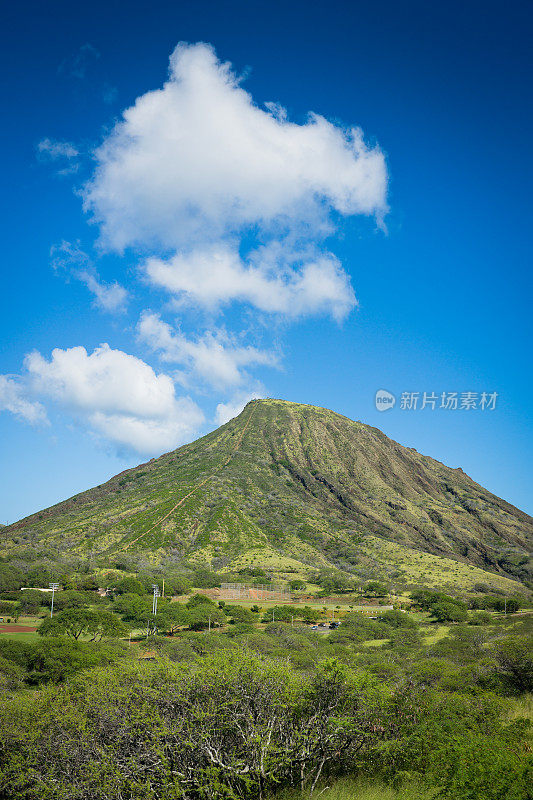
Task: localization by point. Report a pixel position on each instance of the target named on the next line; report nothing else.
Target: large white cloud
(215, 276)
(213, 357)
(118, 395)
(195, 174)
(13, 398)
(198, 159)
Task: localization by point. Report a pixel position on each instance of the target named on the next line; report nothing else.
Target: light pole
(53, 587)
(155, 587)
(154, 603)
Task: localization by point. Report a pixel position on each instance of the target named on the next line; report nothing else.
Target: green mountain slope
(294, 488)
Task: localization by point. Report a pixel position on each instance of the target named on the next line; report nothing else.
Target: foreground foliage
(238, 725)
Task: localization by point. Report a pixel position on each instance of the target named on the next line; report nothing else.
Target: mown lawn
(25, 636)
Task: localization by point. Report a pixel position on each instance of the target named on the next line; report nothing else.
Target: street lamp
(53, 587)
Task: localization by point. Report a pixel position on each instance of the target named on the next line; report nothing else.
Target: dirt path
(199, 486)
(16, 629)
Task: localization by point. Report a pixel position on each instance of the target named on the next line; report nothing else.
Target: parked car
(334, 625)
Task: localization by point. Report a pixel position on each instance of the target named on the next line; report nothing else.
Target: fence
(264, 591)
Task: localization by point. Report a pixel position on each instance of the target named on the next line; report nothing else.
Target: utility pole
(53, 587)
(155, 587)
(209, 620)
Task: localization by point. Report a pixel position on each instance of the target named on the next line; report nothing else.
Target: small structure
(264, 591)
(148, 655)
(37, 589)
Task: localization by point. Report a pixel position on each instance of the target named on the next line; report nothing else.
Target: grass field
(348, 789)
(25, 636)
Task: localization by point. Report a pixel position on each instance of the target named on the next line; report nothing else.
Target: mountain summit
(292, 488)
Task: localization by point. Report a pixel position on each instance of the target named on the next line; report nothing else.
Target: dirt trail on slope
(199, 486)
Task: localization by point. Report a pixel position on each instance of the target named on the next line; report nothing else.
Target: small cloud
(226, 411)
(65, 153)
(13, 399)
(55, 149)
(214, 357)
(110, 297)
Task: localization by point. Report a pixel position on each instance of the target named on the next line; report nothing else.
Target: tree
(198, 600)
(239, 614)
(514, 658)
(89, 584)
(397, 619)
(309, 614)
(11, 578)
(297, 585)
(425, 598)
(201, 616)
(177, 584)
(172, 616)
(73, 599)
(448, 612)
(76, 623)
(133, 608)
(376, 588)
(130, 586)
(206, 579)
(54, 659)
(31, 601)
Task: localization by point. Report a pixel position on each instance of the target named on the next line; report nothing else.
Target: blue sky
(215, 245)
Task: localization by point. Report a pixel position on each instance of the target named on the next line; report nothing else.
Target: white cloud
(118, 395)
(217, 276)
(199, 159)
(194, 170)
(226, 411)
(107, 296)
(111, 297)
(65, 154)
(214, 357)
(12, 398)
(55, 149)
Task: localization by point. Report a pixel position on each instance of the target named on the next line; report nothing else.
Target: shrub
(445, 611)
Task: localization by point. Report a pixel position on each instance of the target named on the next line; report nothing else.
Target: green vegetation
(220, 717)
(279, 492)
(401, 668)
(240, 704)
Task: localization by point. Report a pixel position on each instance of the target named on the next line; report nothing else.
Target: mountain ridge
(295, 487)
